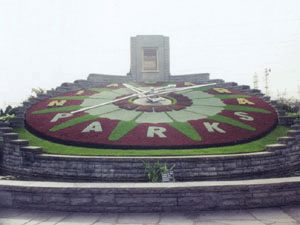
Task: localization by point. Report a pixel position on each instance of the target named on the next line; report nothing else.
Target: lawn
(53, 148)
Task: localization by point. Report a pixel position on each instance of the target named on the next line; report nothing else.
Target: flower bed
(193, 119)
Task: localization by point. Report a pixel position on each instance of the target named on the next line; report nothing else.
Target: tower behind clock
(150, 58)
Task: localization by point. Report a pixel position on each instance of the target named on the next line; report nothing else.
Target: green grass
(58, 109)
(122, 129)
(53, 148)
(230, 121)
(187, 130)
(75, 121)
(295, 115)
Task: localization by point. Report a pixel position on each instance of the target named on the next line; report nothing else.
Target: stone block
(286, 120)
(5, 130)
(275, 147)
(5, 198)
(107, 199)
(293, 133)
(146, 201)
(296, 127)
(32, 149)
(261, 195)
(20, 142)
(286, 140)
(53, 198)
(229, 165)
(254, 203)
(23, 198)
(230, 203)
(270, 202)
(81, 201)
(292, 199)
(10, 136)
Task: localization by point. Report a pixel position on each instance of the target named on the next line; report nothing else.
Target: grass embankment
(53, 148)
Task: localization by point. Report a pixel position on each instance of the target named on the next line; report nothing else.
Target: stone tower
(149, 61)
(150, 58)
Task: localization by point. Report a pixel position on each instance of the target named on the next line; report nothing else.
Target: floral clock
(151, 116)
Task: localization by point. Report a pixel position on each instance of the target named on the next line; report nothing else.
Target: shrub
(155, 171)
(8, 113)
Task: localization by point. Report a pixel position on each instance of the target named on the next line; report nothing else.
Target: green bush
(155, 171)
(8, 113)
(296, 115)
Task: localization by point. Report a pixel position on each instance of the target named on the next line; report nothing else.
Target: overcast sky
(44, 43)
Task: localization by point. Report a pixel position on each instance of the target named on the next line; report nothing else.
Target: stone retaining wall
(198, 78)
(106, 79)
(277, 160)
(147, 197)
(21, 158)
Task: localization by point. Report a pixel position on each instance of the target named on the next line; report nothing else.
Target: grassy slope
(255, 146)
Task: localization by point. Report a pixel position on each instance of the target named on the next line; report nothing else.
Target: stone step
(296, 127)
(281, 112)
(266, 98)
(5, 129)
(286, 120)
(4, 124)
(17, 122)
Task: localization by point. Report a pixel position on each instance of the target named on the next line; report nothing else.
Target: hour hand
(141, 93)
(135, 89)
(105, 103)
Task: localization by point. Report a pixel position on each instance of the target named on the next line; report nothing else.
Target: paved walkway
(284, 215)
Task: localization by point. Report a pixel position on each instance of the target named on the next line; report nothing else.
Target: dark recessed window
(150, 59)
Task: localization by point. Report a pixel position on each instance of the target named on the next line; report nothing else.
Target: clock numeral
(244, 101)
(112, 85)
(222, 90)
(244, 116)
(213, 127)
(189, 84)
(159, 131)
(79, 92)
(60, 116)
(57, 103)
(94, 126)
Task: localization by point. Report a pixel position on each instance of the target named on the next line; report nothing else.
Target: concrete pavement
(287, 215)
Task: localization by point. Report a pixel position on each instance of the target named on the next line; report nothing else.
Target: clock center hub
(155, 102)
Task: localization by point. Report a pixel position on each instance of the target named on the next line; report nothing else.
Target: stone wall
(106, 79)
(18, 156)
(147, 197)
(198, 78)
(277, 160)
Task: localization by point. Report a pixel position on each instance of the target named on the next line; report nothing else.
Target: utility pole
(255, 81)
(267, 73)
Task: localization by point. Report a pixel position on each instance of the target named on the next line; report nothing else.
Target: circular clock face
(151, 116)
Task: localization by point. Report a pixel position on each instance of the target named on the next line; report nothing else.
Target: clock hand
(168, 86)
(138, 91)
(135, 89)
(105, 103)
(179, 89)
(186, 88)
(142, 94)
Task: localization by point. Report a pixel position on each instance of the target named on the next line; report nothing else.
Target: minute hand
(183, 88)
(101, 104)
